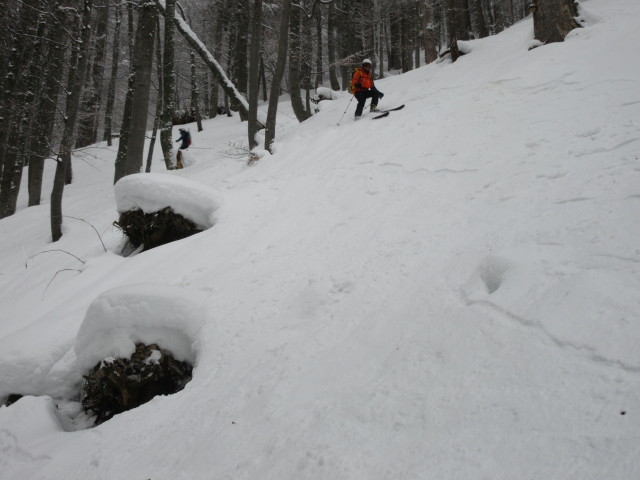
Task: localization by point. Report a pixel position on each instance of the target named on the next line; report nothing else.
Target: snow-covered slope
(450, 293)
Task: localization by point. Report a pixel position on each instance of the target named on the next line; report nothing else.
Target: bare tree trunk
(239, 74)
(15, 115)
(395, 27)
(283, 45)
(217, 42)
(406, 28)
(295, 65)
(130, 28)
(498, 16)
(227, 106)
(319, 50)
(263, 80)
(381, 48)
(77, 72)
(157, 118)
(111, 95)
(195, 94)
(553, 19)
(206, 95)
(331, 46)
(478, 17)
(463, 19)
(417, 34)
(452, 23)
(342, 26)
(430, 38)
(6, 19)
(254, 78)
(138, 95)
(40, 147)
(306, 57)
(168, 83)
(90, 107)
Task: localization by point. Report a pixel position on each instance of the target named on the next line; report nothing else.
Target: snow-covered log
(200, 48)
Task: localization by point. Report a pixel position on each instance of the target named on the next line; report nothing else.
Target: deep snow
(450, 293)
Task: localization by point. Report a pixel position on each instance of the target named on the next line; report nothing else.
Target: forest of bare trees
(74, 72)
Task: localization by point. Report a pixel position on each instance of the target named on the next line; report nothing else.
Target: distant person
(185, 138)
(362, 87)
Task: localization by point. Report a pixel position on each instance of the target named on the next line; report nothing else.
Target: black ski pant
(361, 97)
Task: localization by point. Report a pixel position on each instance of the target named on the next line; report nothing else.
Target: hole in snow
(492, 272)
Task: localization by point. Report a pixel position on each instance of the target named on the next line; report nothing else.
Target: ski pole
(345, 110)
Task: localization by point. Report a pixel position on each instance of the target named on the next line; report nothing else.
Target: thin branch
(54, 277)
(50, 251)
(94, 228)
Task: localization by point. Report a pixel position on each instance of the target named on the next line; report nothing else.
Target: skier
(185, 138)
(362, 87)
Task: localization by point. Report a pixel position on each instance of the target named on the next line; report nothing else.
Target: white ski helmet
(365, 61)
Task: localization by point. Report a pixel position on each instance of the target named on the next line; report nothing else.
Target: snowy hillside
(452, 292)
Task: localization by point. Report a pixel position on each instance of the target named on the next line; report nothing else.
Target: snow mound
(169, 316)
(327, 93)
(151, 192)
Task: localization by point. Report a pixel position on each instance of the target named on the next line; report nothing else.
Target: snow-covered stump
(119, 384)
(135, 343)
(156, 209)
(150, 230)
(324, 93)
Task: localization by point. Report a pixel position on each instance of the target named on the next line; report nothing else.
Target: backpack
(352, 86)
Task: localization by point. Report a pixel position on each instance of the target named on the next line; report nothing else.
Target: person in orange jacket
(362, 87)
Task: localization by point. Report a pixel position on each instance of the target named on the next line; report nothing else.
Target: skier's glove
(358, 85)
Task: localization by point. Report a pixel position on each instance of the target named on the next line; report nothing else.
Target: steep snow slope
(451, 292)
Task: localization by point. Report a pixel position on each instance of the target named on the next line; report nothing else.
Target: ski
(386, 110)
(385, 113)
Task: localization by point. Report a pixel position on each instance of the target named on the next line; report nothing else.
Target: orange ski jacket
(363, 78)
